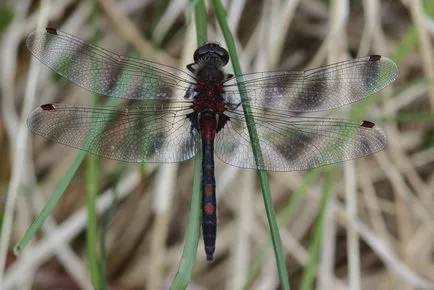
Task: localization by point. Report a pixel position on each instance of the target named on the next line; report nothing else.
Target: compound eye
(223, 54)
(211, 50)
(200, 52)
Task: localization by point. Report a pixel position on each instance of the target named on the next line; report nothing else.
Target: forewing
(104, 72)
(317, 89)
(153, 132)
(289, 142)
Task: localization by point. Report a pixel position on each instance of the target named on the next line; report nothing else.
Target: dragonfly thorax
(209, 104)
(209, 88)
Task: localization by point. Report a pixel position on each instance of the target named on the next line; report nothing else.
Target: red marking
(209, 88)
(47, 107)
(206, 104)
(367, 124)
(197, 106)
(208, 209)
(208, 126)
(208, 169)
(51, 30)
(208, 190)
(220, 107)
(374, 57)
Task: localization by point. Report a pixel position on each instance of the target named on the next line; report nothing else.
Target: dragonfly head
(211, 52)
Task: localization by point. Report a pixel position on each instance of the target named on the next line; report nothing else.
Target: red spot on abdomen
(47, 107)
(367, 124)
(208, 190)
(208, 209)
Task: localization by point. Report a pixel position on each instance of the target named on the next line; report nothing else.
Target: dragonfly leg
(191, 68)
(194, 120)
(233, 106)
(190, 93)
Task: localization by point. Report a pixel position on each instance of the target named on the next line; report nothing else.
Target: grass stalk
(185, 269)
(57, 195)
(315, 245)
(201, 23)
(92, 187)
(284, 218)
(92, 173)
(106, 222)
(51, 204)
(262, 174)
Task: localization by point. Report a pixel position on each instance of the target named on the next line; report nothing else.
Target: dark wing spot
(51, 30)
(47, 107)
(374, 57)
(367, 124)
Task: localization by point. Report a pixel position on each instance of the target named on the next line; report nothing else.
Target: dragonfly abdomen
(208, 126)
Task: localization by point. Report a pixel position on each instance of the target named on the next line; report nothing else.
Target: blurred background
(374, 229)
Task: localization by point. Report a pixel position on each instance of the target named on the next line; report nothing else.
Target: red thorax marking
(209, 88)
(209, 104)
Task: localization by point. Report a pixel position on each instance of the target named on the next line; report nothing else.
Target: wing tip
(34, 115)
(371, 125)
(387, 62)
(34, 40)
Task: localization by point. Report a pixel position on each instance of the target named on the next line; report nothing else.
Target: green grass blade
(51, 204)
(6, 17)
(92, 224)
(263, 178)
(406, 117)
(92, 187)
(406, 45)
(284, 218)
(201, 24)
(60, 189)
(298, 196)
(185, 269)
(106, 221)
(315, 245)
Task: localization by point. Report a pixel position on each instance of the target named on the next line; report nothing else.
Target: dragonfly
(170, 114)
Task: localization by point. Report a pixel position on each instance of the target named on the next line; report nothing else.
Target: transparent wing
(154, 132)
(291, 142)
(104, 72)
(317, 89)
